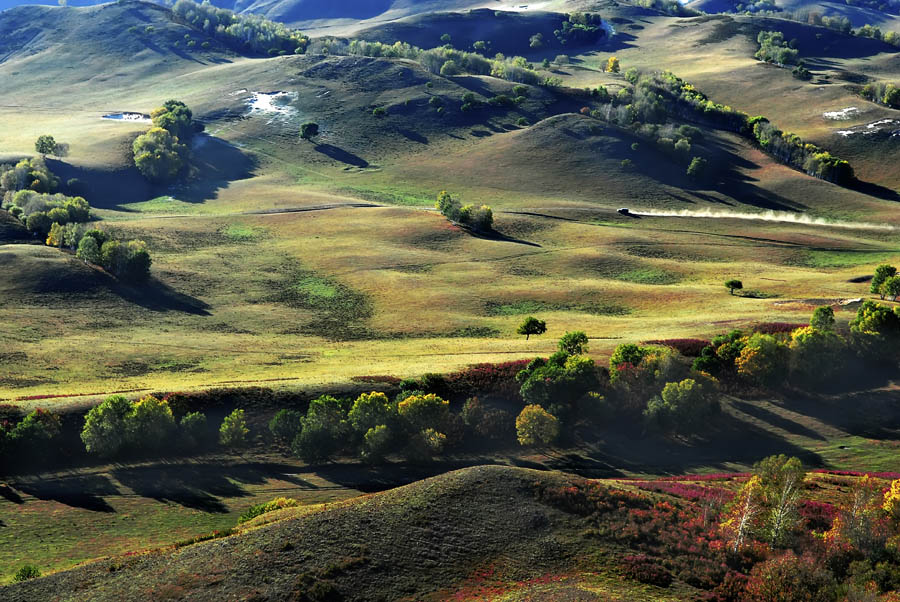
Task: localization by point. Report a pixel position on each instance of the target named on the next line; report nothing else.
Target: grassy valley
(310, 325)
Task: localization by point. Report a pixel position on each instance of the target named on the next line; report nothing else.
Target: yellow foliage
(892, 500)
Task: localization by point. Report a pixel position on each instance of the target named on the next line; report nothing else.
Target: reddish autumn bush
(776, 327)
(791, 578)
(646, 570)
(687, 490)
(818, 516)
(497, 380)
(686, 347)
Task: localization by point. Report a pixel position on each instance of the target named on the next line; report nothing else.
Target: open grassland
(299, 263)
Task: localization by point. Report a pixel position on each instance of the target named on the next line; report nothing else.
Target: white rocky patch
(842, 115)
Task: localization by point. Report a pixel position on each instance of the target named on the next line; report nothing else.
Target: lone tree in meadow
(733, 285)
(46, 145)
(612, 65)
(531, 326)
(890, 288)
(309, 130)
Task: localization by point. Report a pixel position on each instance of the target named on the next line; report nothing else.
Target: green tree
(536, 41)
(158, 155)
(175, 117)
(286, 424)
(882, 273)
(309, 130)
(31, 435)
(150, 423)
(193, 429)
(233, 432)
(445, 39)
(39, 223)
(324, 431)
(764, 360)
(561, 379)
(377, 443)
(684, 405)
(46, 145)
(822, 319)
(105, 431)
(531, 326)
(369, 411)
(816, 356)
(573, 343)
(536, 426)
(697, 169)
(422, 412)
(890, 288)
(733, 285)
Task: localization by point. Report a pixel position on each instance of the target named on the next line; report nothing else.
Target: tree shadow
(79, 492)
(156, 295)
(875, 190)
(496, 236)
(775, 420)
(215, 163)
(411, 135)
(340, 155)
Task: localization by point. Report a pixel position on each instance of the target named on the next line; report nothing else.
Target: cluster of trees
(42, 213)
(774, 49)
(656, 97)
(118, 427)
(797, 357)
(882, 93)
(372, 425)
(128, 260)
(669, 7)
(792, 150)
(871, 31)
(27, 174)
(245, 33)
(579, 29)
(163, 151)
(478, 218)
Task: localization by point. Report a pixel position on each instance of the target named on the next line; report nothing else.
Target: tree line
(653, 98)
(244, 33)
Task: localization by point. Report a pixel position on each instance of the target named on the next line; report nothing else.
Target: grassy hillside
(487, 532)
(881, 14)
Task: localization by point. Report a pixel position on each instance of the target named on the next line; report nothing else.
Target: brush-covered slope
(505, 31)
(96, 45)
(883, 13)
(416, 542)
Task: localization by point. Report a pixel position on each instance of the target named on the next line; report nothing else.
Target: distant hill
(883, 13)
(507, 32)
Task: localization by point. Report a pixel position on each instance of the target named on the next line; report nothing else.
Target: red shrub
(776, 327)
(686, 347)
(818, 515)
(790, 578)
(686, 490)
(646, 570)
(497, 380)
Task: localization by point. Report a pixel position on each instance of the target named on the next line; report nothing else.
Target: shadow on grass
(156, 295)
(340, 155)
(79, 492)
(7, 493)
(777, 421)
(499, 237)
